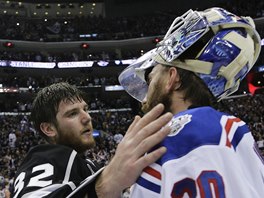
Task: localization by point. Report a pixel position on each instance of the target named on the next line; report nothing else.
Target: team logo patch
(178, 123)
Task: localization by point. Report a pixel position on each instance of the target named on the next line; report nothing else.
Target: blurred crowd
(249, 109)
(21, 90)
(87, 28)
(81, 55)
(82, 28)
(18, 135)
(78, 28)
(81, 80)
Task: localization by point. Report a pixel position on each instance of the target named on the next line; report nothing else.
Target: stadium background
(88, 43)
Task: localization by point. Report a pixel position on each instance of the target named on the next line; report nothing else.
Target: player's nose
(86, 117)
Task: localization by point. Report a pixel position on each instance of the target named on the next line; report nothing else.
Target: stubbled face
(74, 125)
(156, 92)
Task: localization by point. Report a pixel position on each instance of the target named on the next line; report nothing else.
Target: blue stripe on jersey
(203, 129)
(148, 185)
(241, 131)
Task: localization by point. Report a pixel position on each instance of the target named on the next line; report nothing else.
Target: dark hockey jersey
(54, 171)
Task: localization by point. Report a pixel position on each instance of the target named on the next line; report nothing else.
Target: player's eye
(72, 114)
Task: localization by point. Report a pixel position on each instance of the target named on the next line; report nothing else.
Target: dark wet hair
(46, 103)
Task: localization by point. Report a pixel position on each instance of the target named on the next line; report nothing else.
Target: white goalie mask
(228, 47)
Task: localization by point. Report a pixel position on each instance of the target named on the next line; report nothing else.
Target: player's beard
(158, 96)
(75, 143)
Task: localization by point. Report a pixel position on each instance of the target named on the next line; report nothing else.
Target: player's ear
(48, 129)
(173, 82)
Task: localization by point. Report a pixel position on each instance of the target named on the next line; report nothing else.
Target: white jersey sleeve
(209, 154)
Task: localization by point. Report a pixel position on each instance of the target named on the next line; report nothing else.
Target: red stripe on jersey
(152, 172)
(228, 126)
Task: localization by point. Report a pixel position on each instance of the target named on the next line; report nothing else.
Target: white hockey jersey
(209, 154)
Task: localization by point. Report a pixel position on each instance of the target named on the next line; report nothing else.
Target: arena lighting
(85, 45)
(156, 40)
(260, 68)
(8, 44)
(124, 62)
(114, 88)
(118, 62)
(102, 63)
(128, 61)
(71, 5)
(71, 64)
(96, 133)
(47, 6)
(76, 64)
(26, 64)
(88, 35)
(3, 63)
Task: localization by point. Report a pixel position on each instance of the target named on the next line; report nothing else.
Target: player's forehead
(71, 103)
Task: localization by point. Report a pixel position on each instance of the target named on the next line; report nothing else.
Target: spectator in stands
(4, 188)
(118, 138)
(12, 139)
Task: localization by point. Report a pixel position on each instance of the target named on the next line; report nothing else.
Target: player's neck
(179, 104)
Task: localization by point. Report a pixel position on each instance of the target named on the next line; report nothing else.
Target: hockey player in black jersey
(58, 169)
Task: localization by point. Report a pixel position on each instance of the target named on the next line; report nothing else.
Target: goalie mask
(215, 44)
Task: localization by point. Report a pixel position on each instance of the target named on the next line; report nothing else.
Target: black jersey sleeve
(53, 171)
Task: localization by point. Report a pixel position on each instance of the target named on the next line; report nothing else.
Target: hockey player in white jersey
(204, 56)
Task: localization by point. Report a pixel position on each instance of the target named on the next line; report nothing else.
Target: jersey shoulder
(47, 153)
(51, 169)
(196, 123)
(198, 127)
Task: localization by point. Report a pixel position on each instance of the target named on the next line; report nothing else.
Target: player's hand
(130, 159)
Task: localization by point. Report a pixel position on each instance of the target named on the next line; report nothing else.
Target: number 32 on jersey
(44, 170)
